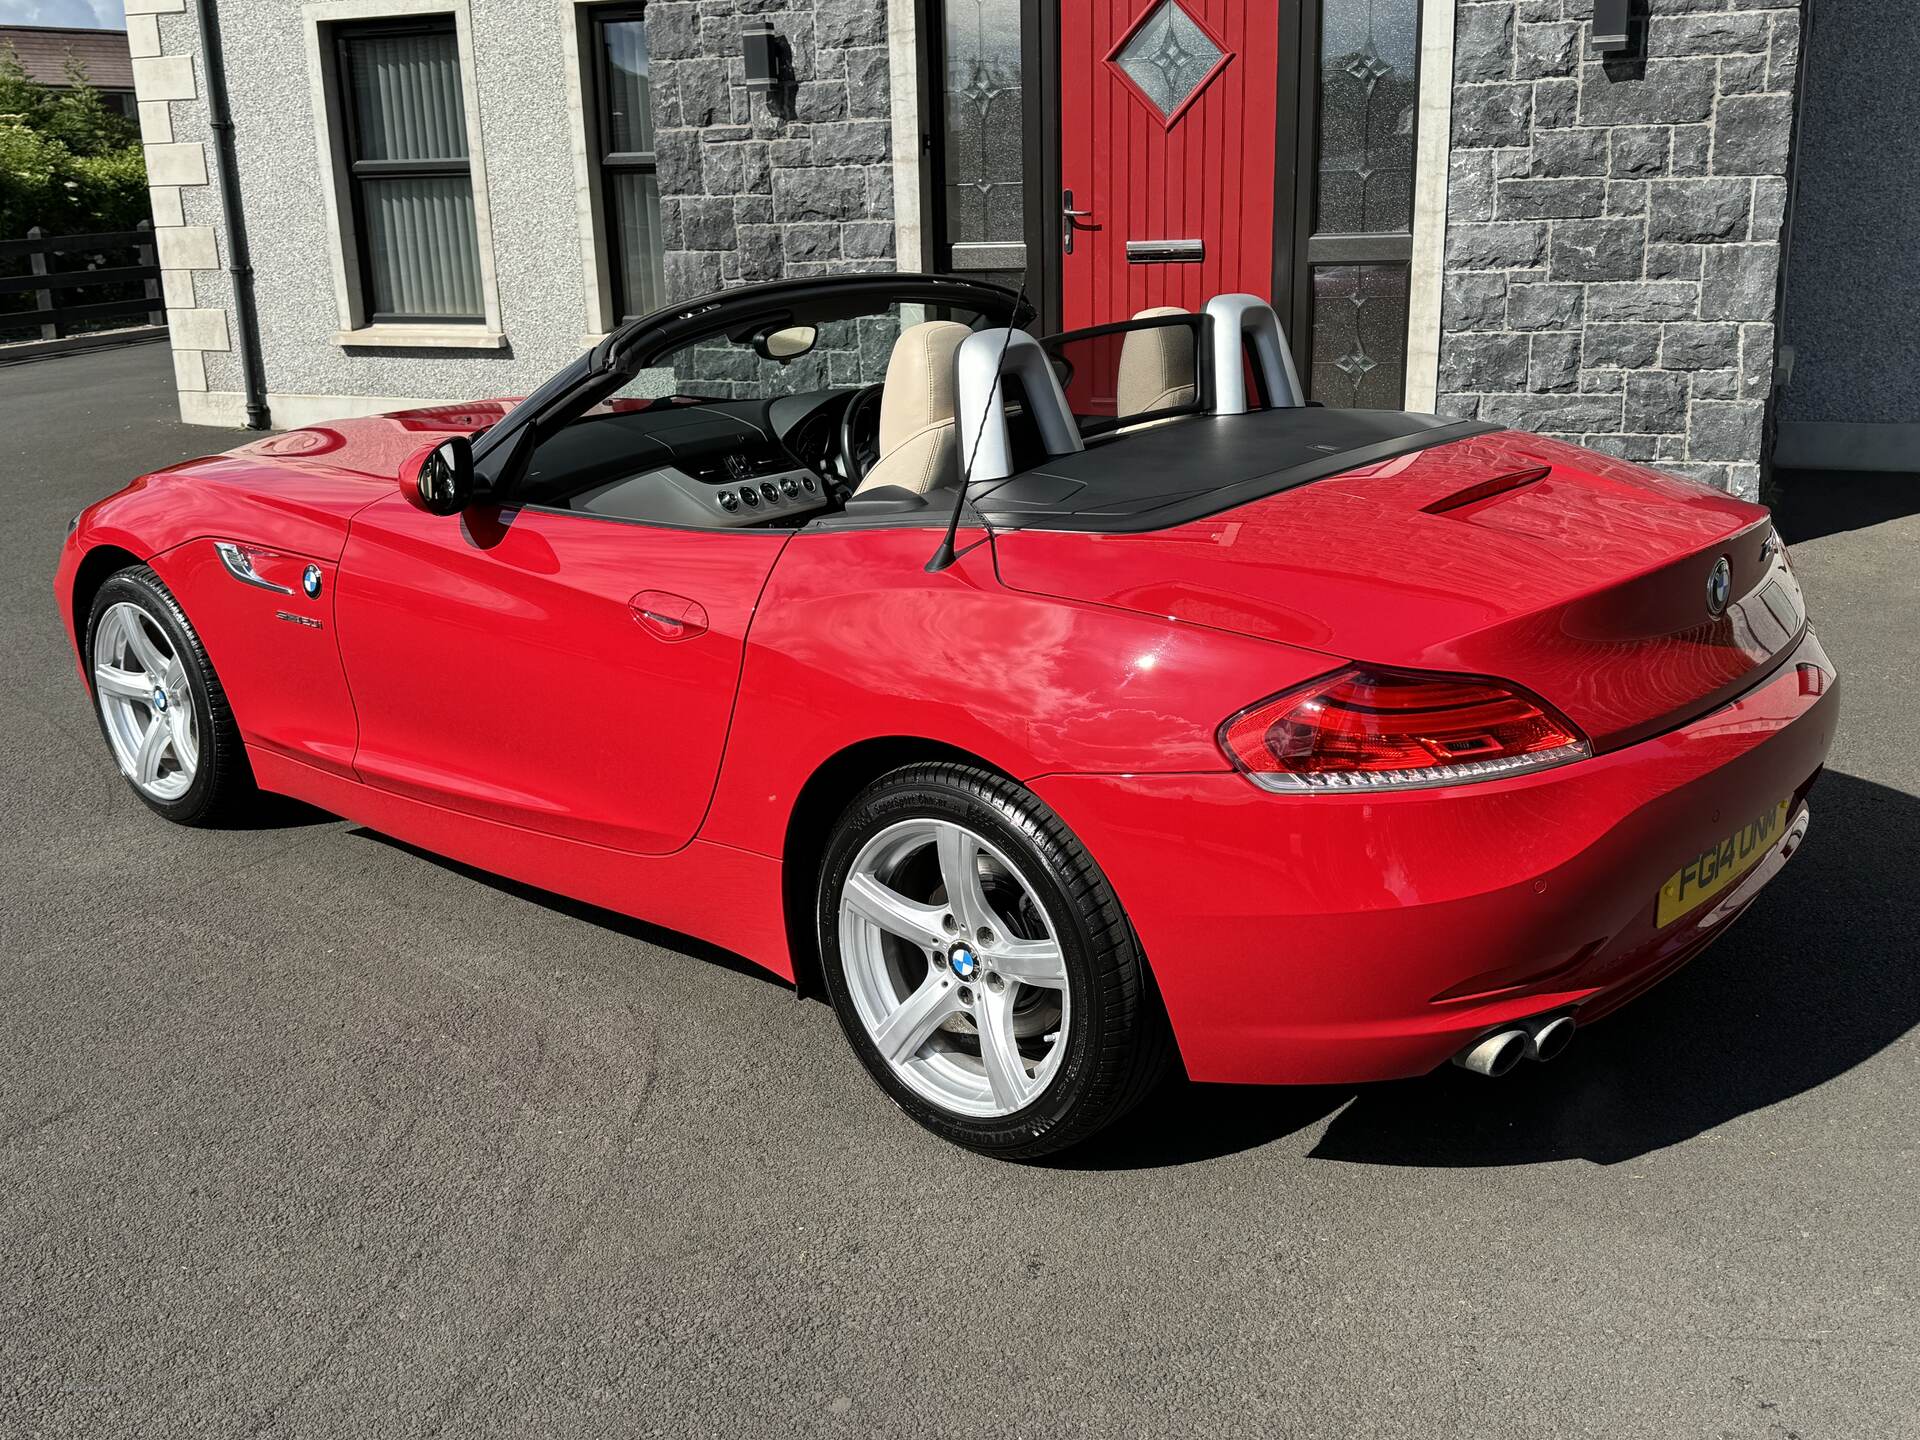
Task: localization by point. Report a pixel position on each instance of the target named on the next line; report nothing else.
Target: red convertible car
(1062, 706)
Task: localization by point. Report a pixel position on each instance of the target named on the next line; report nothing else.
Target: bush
(32, 171)
(109, 191)
(21, 100)
(79, 119)
(67, 163)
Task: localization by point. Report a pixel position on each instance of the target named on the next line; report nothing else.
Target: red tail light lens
(1363, 729)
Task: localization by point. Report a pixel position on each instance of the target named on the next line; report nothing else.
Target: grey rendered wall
(748, 194)
(1853, 277)
(1613, 230)
(535, 230)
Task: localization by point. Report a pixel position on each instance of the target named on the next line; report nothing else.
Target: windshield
(761, 343)
(786, 356)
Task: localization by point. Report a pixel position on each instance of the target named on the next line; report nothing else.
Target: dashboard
(714, 463)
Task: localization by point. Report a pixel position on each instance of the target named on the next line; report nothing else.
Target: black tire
(222, 787)
(1119, 1045)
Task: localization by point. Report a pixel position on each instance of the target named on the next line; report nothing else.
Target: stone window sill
(422, 337)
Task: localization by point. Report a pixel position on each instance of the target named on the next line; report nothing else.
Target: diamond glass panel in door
(414, 181)
(632, 188)
(1368, 92)
(1169, 58)
(1360, 336)
(985, 171)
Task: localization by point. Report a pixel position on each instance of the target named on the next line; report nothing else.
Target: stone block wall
(755, 187)
(1613, 245)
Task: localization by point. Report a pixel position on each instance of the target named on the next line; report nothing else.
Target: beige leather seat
(918, 449)
(1156, 366)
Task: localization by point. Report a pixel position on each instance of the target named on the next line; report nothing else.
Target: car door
(568, 673)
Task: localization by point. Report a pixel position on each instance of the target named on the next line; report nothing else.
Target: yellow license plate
(1718, 866)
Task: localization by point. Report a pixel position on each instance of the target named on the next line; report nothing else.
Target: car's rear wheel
(981, 966)
(160, 705)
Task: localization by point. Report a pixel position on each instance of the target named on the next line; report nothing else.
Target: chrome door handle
(1071, 217)
(240, 565)
(667, 616)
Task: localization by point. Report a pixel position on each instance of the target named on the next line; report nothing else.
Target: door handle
(1070, 221)
(667, 616)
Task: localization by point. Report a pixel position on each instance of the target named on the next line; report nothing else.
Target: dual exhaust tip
(1542, 1038)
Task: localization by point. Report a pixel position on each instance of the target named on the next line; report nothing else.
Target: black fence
(52, 286)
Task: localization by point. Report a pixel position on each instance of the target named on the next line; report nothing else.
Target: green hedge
(67, 163)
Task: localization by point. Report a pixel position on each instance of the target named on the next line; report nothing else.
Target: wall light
(1612, 26)
(762, 50)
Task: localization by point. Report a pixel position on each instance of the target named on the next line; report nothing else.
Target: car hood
(375, 445)
(1582, 577)
(294, 491)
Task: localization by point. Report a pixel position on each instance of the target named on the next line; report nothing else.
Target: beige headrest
(1156, 366)
(919, 390)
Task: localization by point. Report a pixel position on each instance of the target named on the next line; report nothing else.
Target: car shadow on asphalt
(1809, 504)
(276, 812)
(1819, 976)
(612, 920)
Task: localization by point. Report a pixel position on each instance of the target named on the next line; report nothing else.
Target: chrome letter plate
(1165, 252)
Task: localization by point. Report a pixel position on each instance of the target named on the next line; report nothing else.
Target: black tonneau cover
(1186, 469)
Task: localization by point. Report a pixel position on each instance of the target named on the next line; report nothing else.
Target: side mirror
(444, 484)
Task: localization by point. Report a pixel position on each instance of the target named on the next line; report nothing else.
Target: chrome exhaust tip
(1496, 1054)
(1549, 1036)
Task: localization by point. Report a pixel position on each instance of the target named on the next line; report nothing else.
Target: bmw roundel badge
(1719, 586)
(310, 582)
(962, 962)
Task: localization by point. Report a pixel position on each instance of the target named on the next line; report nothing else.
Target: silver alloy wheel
(146, 702)
(954, 968)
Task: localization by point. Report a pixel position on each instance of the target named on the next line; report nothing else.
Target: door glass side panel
(984, 173)
(1367, 102)
(1360, 335)
(1367, 88)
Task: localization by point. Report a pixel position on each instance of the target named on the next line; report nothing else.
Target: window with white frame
(411, 178)
(622, 147)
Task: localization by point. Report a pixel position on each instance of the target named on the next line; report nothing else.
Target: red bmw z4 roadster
(1066, 709)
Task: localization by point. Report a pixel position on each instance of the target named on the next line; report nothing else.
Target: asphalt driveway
(304, 1132)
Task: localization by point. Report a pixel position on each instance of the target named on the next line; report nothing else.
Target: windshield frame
(580, 385)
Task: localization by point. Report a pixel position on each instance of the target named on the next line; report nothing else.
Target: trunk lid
(1582, 577)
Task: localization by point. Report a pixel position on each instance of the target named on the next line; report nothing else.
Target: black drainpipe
(227, 176)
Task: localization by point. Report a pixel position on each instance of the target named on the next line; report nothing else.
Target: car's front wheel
(981, 965)
(160, 705)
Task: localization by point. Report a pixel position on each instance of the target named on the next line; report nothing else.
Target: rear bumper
(1342, 938)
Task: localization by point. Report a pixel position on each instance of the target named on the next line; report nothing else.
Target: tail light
(1361, 729)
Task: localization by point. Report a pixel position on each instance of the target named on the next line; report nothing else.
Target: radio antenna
(945, 555)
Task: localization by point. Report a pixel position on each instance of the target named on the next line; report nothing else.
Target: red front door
(1167, 143)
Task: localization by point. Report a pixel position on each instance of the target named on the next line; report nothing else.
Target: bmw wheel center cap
(963, 962)
(159, 699)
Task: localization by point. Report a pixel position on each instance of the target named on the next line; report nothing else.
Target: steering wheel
(860, 433)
